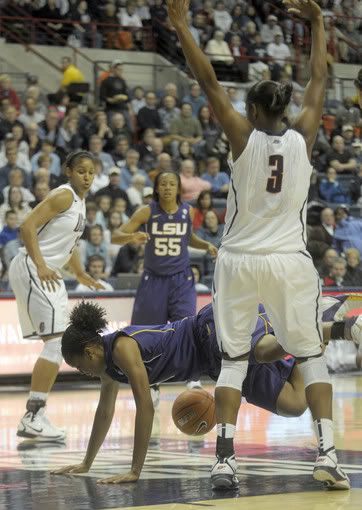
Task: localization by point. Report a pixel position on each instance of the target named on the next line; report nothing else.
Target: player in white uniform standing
(263, 255)
(50, 234)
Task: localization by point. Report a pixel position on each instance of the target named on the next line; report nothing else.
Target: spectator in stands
(331, 190)
(353, 277)
(158, 11)
(84, 31)
(357, 152)
(101, 180)
(71, 134)
(347, 113)
(132, 168)
(121, 146)
(16, 179)
(203, 205)
(104, 204)
(348, 136)
(337, 274)
(101, 127)
(185, 128)
(143, 11)
(96, 246)
(71, 73)
(200, 287)
(113, 91)
(147, 195)
(355, 187)
(10, 164)
(49, 11)
(135, 191)
(90, 218)
(241, 64)
(33, 139)
(211, 231)
(41, 190)
(148, 116)
(8, 120)
(120, 205)
(29, 114)
(15, 203)
(95, 147)
(96, 268)
(10, 152)
(279, 54)
(191, 185)
(210, 133)
(7, 92)
(114, 222)
(341, 158)
(170, 89)
(10, 231)
(18, 135)
(168, 112)
(164, 164)
(219, 54)
(219, 180)
(35, 93)
(329, 256)
(270, 29)
(138, 100)
(47, 149)
(257, 49)
(202, 27)
(127, 259)
(248, 34)
(49, 129)
(222, 18)
(195, 98)
(194, 32)
(237, 102)
(128, 16)
(295, 106)
(113, 188)
(144, 148)
(109, 25)
(348, 233)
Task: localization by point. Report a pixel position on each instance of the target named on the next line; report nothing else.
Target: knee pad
(52, 351)
(314, 370)
(232, 374)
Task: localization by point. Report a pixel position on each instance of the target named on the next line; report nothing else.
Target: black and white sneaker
(326, 470)
(223, 474)
(37, 426)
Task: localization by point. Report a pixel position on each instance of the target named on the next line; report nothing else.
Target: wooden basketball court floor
(275, 454)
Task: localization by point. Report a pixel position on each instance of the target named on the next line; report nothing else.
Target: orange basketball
(193, 412)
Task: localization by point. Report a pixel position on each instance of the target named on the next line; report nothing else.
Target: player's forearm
(102, 421)
(75, 263)
(143, 429)
(318, 56)
(198, 62)
(198, 243)
(28, 235)
(119, 237)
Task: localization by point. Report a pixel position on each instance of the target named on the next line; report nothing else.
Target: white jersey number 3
(276, 165)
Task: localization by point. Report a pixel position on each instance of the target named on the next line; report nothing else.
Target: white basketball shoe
(37, 426)
(356, 331)
(223, 474)
(326, 470)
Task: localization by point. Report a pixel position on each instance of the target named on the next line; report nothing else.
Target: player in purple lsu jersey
(178, 351)
(167, 290)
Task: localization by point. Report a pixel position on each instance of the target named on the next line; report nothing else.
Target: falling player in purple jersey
(178, 351)
(167, 291)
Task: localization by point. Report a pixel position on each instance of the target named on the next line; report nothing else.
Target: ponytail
(87, 320)
(272, 96)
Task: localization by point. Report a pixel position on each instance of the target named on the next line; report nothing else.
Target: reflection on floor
(275, 455)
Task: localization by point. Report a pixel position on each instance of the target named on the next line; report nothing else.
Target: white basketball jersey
(58, 238)
(266, 204)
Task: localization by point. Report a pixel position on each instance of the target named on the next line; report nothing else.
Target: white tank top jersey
(58, 238)
(266, 203)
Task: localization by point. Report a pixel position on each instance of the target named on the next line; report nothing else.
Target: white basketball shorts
(286, 284)
(41, 312)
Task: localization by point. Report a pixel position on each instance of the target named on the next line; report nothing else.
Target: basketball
(193, 412)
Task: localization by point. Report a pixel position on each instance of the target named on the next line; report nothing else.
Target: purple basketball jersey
(166, 252)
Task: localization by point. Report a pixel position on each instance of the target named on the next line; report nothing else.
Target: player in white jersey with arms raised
(50, 234)
(263, 255)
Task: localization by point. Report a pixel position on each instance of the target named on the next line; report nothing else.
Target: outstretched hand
(307, 9)
(178, 10)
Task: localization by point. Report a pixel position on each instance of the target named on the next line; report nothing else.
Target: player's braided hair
(272, 96)
(74, 157)
(87, 320)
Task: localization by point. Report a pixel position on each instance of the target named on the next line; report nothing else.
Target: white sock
(325, 434)
(38, 395)
(226, 430)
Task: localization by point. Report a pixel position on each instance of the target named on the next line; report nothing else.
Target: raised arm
(307, 123)
(128, 233)
(236, 127)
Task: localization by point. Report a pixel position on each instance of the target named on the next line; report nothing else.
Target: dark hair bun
(88, 316)
(281, 98)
